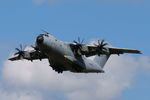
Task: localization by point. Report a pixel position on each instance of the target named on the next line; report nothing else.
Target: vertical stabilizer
(101, 60)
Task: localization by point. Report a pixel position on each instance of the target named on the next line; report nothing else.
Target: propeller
(79, 42)
(79, 45)
(101, 46)
(35, 48)
(38, 52)
(20, 52)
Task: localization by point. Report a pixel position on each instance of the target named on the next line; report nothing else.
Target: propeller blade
(16, 53)
(75, 42)
(35, 48)
(102, 42)
(82, 41)
(105, 44)
(99, 42)
(20, 47)
(79, 40)
(24, 47)
(17, 49)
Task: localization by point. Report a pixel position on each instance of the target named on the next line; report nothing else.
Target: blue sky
(122, 23)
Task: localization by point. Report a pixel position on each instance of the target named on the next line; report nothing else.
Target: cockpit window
(46, 35)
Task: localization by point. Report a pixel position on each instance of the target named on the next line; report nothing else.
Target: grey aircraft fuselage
(62, 58)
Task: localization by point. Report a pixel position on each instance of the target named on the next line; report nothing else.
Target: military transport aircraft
(74, 57)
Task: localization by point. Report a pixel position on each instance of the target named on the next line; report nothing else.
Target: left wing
(29, 55)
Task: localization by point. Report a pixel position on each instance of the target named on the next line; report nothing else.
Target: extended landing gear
(59, 72)
(58, 69)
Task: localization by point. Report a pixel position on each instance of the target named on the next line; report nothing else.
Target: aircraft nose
(39, 39)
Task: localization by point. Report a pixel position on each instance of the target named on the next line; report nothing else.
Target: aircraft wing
(89, 50)
(29, 55)
(14, 58)
(121, 51)
(110, 50)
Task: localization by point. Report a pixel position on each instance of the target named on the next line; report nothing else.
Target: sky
(122, 23)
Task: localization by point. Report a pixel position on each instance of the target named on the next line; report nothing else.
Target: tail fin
(101, 60)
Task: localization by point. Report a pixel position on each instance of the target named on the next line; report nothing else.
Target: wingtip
(13, 58)
(10, 59)
(139, 52)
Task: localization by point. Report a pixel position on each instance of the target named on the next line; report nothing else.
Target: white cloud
(120, 73)
(19, 95)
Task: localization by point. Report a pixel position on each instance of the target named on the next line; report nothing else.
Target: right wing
(111, 50)
(29, 55)
(89, 50)
(121, 51)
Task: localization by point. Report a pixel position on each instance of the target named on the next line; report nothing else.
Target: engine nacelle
(27, 55)
(84, 48)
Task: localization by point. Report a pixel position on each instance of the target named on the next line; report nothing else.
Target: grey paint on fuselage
(60, 55)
